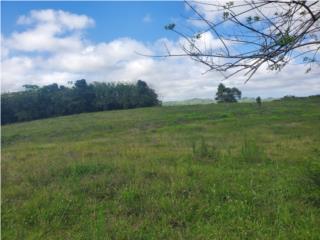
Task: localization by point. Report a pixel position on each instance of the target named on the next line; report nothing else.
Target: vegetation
(258, 100)
(225, 94)
(53, 100)
(219, 171)
(197, 101)
(193, 101)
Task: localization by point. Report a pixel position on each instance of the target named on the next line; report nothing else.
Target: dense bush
(53, 100)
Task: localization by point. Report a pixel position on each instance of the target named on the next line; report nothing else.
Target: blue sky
(58, 42)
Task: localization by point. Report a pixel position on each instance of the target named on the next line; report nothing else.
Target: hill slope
(193, 101)
(190, 172)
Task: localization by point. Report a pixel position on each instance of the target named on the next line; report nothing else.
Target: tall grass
(252, 152)
(201, 150)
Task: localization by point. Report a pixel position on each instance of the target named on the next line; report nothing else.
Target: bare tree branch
(261, 33)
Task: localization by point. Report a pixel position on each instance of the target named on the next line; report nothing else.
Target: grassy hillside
(199, 101)
(190, 172)
(193, 101)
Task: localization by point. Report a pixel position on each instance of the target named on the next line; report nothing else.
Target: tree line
(53, 100)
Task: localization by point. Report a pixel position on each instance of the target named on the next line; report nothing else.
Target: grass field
(214, 171)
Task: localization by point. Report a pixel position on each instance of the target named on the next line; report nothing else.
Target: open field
(218, 171)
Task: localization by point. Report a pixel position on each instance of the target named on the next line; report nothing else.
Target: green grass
(232, 171)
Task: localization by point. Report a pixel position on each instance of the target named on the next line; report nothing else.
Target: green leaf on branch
(286, 39)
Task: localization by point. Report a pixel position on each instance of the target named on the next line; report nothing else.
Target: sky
(59, 42)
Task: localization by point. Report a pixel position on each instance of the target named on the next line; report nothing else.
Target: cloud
(59, 18)
(92, 58)
(4, 49)
(53, 49)
(47, 30)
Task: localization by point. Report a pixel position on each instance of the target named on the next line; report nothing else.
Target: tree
(258, 100)
(263, 33)
(53, 100)
(83, 96)
(147, 96)
(225, 94)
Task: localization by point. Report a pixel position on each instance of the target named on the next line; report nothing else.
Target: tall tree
(147, 96)
(225, 94)
(83, 96)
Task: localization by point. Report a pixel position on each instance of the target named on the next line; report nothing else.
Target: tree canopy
(52, 100)
(228, 95)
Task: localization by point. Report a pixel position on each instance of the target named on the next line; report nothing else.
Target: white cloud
(15, 68)
(59, 18)
(47, 28)
(98, 57)
(53, 49)
(41, 40)
(4, 49)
